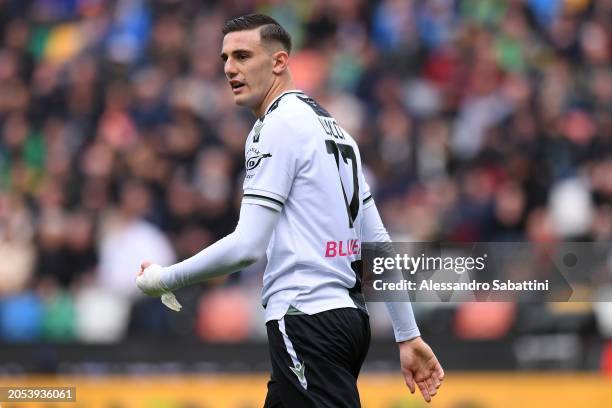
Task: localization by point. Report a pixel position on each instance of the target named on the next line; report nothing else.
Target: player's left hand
(149, 282)
(420, 365)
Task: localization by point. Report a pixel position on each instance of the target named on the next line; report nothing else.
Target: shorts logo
(253, 161)
(298, 370)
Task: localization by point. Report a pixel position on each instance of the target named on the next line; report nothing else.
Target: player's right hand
(148, 279)
(149, 282)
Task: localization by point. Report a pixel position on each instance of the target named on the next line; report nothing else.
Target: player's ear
(280, 61)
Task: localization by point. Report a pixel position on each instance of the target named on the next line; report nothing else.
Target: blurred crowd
(477, 120)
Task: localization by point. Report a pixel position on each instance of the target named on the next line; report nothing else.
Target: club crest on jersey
(254, 159)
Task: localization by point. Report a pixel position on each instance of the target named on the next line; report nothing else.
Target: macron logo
(298, 370)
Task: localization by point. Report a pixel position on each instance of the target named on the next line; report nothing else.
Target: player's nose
(230, 68)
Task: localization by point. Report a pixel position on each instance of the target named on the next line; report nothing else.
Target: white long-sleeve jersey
(305, 168)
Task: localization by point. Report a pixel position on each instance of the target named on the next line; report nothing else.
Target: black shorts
(316, 359)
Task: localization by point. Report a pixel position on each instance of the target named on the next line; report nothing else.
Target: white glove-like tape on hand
(149, 282)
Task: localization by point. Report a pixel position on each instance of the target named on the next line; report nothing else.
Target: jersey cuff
(405, 335)
(368, 201)
(265, 198)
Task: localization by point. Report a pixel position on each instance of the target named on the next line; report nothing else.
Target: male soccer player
(306, 202)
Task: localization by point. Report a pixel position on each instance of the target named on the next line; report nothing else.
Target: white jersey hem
(278, 310)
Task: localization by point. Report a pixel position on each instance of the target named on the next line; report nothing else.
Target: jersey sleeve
(365, 195)
(270, 165)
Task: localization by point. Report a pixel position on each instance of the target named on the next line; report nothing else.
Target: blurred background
(477, 120)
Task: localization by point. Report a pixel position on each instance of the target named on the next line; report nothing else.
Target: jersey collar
(272, 105)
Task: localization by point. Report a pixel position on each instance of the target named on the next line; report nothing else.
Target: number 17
(347, 153)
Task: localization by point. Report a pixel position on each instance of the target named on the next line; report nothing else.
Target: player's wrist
(163, 274)
(410, 342)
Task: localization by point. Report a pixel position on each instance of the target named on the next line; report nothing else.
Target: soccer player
(306, 204)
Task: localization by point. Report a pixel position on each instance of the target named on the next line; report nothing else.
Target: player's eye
(243, 57)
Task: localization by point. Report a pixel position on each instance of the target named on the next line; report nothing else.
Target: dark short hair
(271, 31)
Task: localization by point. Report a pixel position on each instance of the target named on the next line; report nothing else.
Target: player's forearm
(236, 251)
(401, 314)
(402, 318)
(221, 258)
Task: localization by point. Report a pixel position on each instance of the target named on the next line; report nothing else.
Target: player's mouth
(237, 86)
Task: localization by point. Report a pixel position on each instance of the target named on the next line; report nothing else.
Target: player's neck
(277, 89)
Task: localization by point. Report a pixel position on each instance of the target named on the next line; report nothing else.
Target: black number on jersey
(347, 153)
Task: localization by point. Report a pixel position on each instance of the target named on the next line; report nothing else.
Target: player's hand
(148, 279)
(149, 282)
(420, 365)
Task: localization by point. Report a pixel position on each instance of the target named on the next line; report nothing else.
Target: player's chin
(241, 99)
(245, 100)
